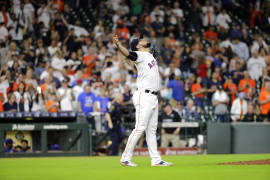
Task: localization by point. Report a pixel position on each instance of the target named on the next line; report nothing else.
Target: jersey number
(152, 64)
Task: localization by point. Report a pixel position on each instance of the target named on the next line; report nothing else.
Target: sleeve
(133, 56)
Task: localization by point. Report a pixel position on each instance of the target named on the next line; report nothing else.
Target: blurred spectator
(198, 91)
(86, 101)
(52, 105)
(210, 34)
(190, 112)
(246, 83)
(223, 20)
(208, 17)
(114, 117)
(264, 101)
(240, 48)
(170, 134)
(9, 146)
(239, 108)
(178, 90)
(127, 95)
(103, 102)
(11, 105)
(230, 88)
(255, 65)
(15, 27)
(3, 32)
(220, 101)
(22, 98)
(65, 96)
(250, 116)
(25, 147)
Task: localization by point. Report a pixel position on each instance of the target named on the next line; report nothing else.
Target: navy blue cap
(9, 141)
(135, 42)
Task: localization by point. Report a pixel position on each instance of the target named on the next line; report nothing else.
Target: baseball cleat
(128, 163)
(163, 163)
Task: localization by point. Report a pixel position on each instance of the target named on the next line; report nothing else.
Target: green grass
(190, 167)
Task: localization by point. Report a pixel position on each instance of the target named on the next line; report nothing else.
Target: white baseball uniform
(146, 105)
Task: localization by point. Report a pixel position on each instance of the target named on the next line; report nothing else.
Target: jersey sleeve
(135, 56)
(132, 56)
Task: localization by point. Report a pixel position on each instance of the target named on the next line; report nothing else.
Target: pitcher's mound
(256, 162)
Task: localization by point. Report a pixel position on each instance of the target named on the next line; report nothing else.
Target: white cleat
(163, 163)
(128, 163)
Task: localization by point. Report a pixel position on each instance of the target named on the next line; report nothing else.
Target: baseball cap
(79, 81)
(9, 141)
(135, 42)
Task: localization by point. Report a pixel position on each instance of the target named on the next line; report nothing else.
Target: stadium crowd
(53, 60)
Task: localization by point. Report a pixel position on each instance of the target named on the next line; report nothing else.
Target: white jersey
(148, 74)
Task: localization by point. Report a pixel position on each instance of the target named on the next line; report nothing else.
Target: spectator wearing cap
(11, 105)
(220, 101)
(264, 101)
(170, 134)
(9, 146)
(255, 65)
(239, 108)
(246, 83)
(65, 96)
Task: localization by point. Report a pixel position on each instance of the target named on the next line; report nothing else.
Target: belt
(151, 92)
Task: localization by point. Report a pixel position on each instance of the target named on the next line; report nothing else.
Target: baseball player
(144, 99)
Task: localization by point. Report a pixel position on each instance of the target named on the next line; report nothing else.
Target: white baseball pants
(146, 106)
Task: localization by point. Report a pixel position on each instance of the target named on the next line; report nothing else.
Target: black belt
(151, 92)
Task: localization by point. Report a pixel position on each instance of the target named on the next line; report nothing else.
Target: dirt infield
(256, 162)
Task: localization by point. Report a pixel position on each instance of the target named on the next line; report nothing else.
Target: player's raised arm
(129, 54)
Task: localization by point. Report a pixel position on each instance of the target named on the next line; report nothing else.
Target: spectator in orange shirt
(210, 34)
(89, 60)
(52, 104)
(198, 91)
(2, 98)
(122, 31)
(264, 101)
(246, 83)
(230, 88)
